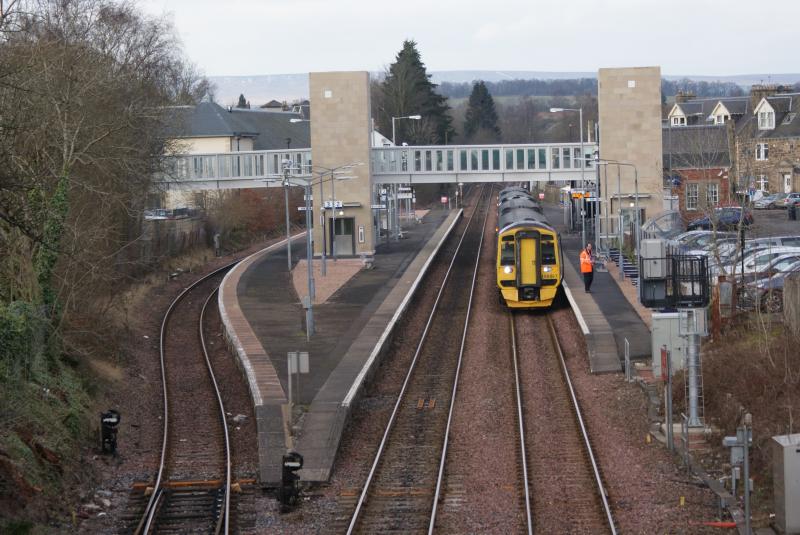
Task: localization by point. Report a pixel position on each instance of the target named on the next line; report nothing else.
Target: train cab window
(548, 252)
(507, 256)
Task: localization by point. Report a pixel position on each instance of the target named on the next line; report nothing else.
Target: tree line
(588, 86)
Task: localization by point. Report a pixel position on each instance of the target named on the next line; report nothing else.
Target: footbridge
(431, 164)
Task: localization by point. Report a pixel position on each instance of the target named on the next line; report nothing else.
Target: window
(766, 120)
(762, 151)
(721, 119)
(712, 194)
(763, 183)
(507, 257)
(548, 252)
(789, 118)
(692, 193)
(679, 121)
(787, 182)
(556, 154)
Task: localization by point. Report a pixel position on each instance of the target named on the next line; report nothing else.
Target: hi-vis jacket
(586, 262)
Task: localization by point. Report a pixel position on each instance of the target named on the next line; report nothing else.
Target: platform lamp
(394, 186)
(583, 169)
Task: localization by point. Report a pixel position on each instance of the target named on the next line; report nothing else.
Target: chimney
(759, 91)
(684, 96)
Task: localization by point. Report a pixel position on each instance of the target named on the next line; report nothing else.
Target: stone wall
(783, 158)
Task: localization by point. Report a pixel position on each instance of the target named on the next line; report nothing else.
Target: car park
(725, 218)
(769, 202)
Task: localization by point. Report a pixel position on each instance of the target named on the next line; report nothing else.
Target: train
(529, 258)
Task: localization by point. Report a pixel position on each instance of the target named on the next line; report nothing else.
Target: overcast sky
(693, 37)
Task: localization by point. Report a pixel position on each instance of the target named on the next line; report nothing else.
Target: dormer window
(679, 121)
(722, 119)
(766, 120)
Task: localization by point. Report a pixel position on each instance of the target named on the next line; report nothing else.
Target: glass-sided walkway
(391, 165)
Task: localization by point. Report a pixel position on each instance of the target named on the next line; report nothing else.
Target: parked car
(770, 201)
(700, 239)
(726, 218)
(769, 292)
(791, 198)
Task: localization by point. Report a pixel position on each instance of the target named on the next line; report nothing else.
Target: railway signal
(109, 421)
(289, 489)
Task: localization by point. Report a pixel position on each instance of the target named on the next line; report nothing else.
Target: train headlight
(508, 270)
(547, 269)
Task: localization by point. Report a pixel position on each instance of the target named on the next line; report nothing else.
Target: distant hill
(261, 88)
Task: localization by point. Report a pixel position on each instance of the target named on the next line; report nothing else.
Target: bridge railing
(236, 165)
(448, 159)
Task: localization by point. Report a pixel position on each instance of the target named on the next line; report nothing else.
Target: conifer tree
(481, 120)
(407, 90)
(242, 102)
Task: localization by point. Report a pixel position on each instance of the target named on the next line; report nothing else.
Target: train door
(528, 247)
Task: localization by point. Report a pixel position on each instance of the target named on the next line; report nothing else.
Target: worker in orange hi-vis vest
(587, 267)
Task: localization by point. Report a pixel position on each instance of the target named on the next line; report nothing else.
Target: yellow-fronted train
(529, 262)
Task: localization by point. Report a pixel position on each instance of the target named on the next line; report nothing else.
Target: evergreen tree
(481, 118)
(242, 102)
(407, 90)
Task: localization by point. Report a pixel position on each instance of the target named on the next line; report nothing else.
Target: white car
(760, 260)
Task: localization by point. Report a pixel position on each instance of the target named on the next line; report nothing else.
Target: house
(208, 128)
(763, 139)
(768, 142)
(697, 162)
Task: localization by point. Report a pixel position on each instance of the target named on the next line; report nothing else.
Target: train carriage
(529, 263)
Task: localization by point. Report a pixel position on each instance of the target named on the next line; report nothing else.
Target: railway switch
(289, 490)
(109, 421)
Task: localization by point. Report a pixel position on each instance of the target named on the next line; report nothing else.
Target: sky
(684, 37)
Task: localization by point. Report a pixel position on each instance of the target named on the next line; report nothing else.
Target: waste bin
(792, 210)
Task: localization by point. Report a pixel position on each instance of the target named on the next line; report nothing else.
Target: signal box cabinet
(666, 332)
(654, 259)
(786, 482)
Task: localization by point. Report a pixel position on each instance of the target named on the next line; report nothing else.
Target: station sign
(404, 195)
(378, 206)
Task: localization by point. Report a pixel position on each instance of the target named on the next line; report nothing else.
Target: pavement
(264, 320)
(606, 315)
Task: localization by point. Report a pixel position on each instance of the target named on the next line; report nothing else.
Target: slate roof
(787, 110)
(269, 129)
(695, 147)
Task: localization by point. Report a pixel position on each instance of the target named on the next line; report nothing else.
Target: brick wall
(702, 178)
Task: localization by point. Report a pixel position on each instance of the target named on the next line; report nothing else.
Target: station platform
(264, 319)
(606, 316)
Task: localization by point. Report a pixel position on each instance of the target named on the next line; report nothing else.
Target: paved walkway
(351, 328)
(608, 317)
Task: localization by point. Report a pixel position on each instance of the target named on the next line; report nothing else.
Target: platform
(264, 319)
(606, 316)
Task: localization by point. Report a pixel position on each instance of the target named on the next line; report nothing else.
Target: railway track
(562, 475)
(402, 488)
(192, 489)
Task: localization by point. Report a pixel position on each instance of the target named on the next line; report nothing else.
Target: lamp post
(583, 169)
(396, 217)
(308, 183)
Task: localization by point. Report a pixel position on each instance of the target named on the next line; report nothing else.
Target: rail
(521, 425)
(151, 508)
(584, 433)
(401, 396)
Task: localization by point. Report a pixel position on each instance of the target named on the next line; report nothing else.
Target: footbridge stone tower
(340, 135)
(629, 102)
